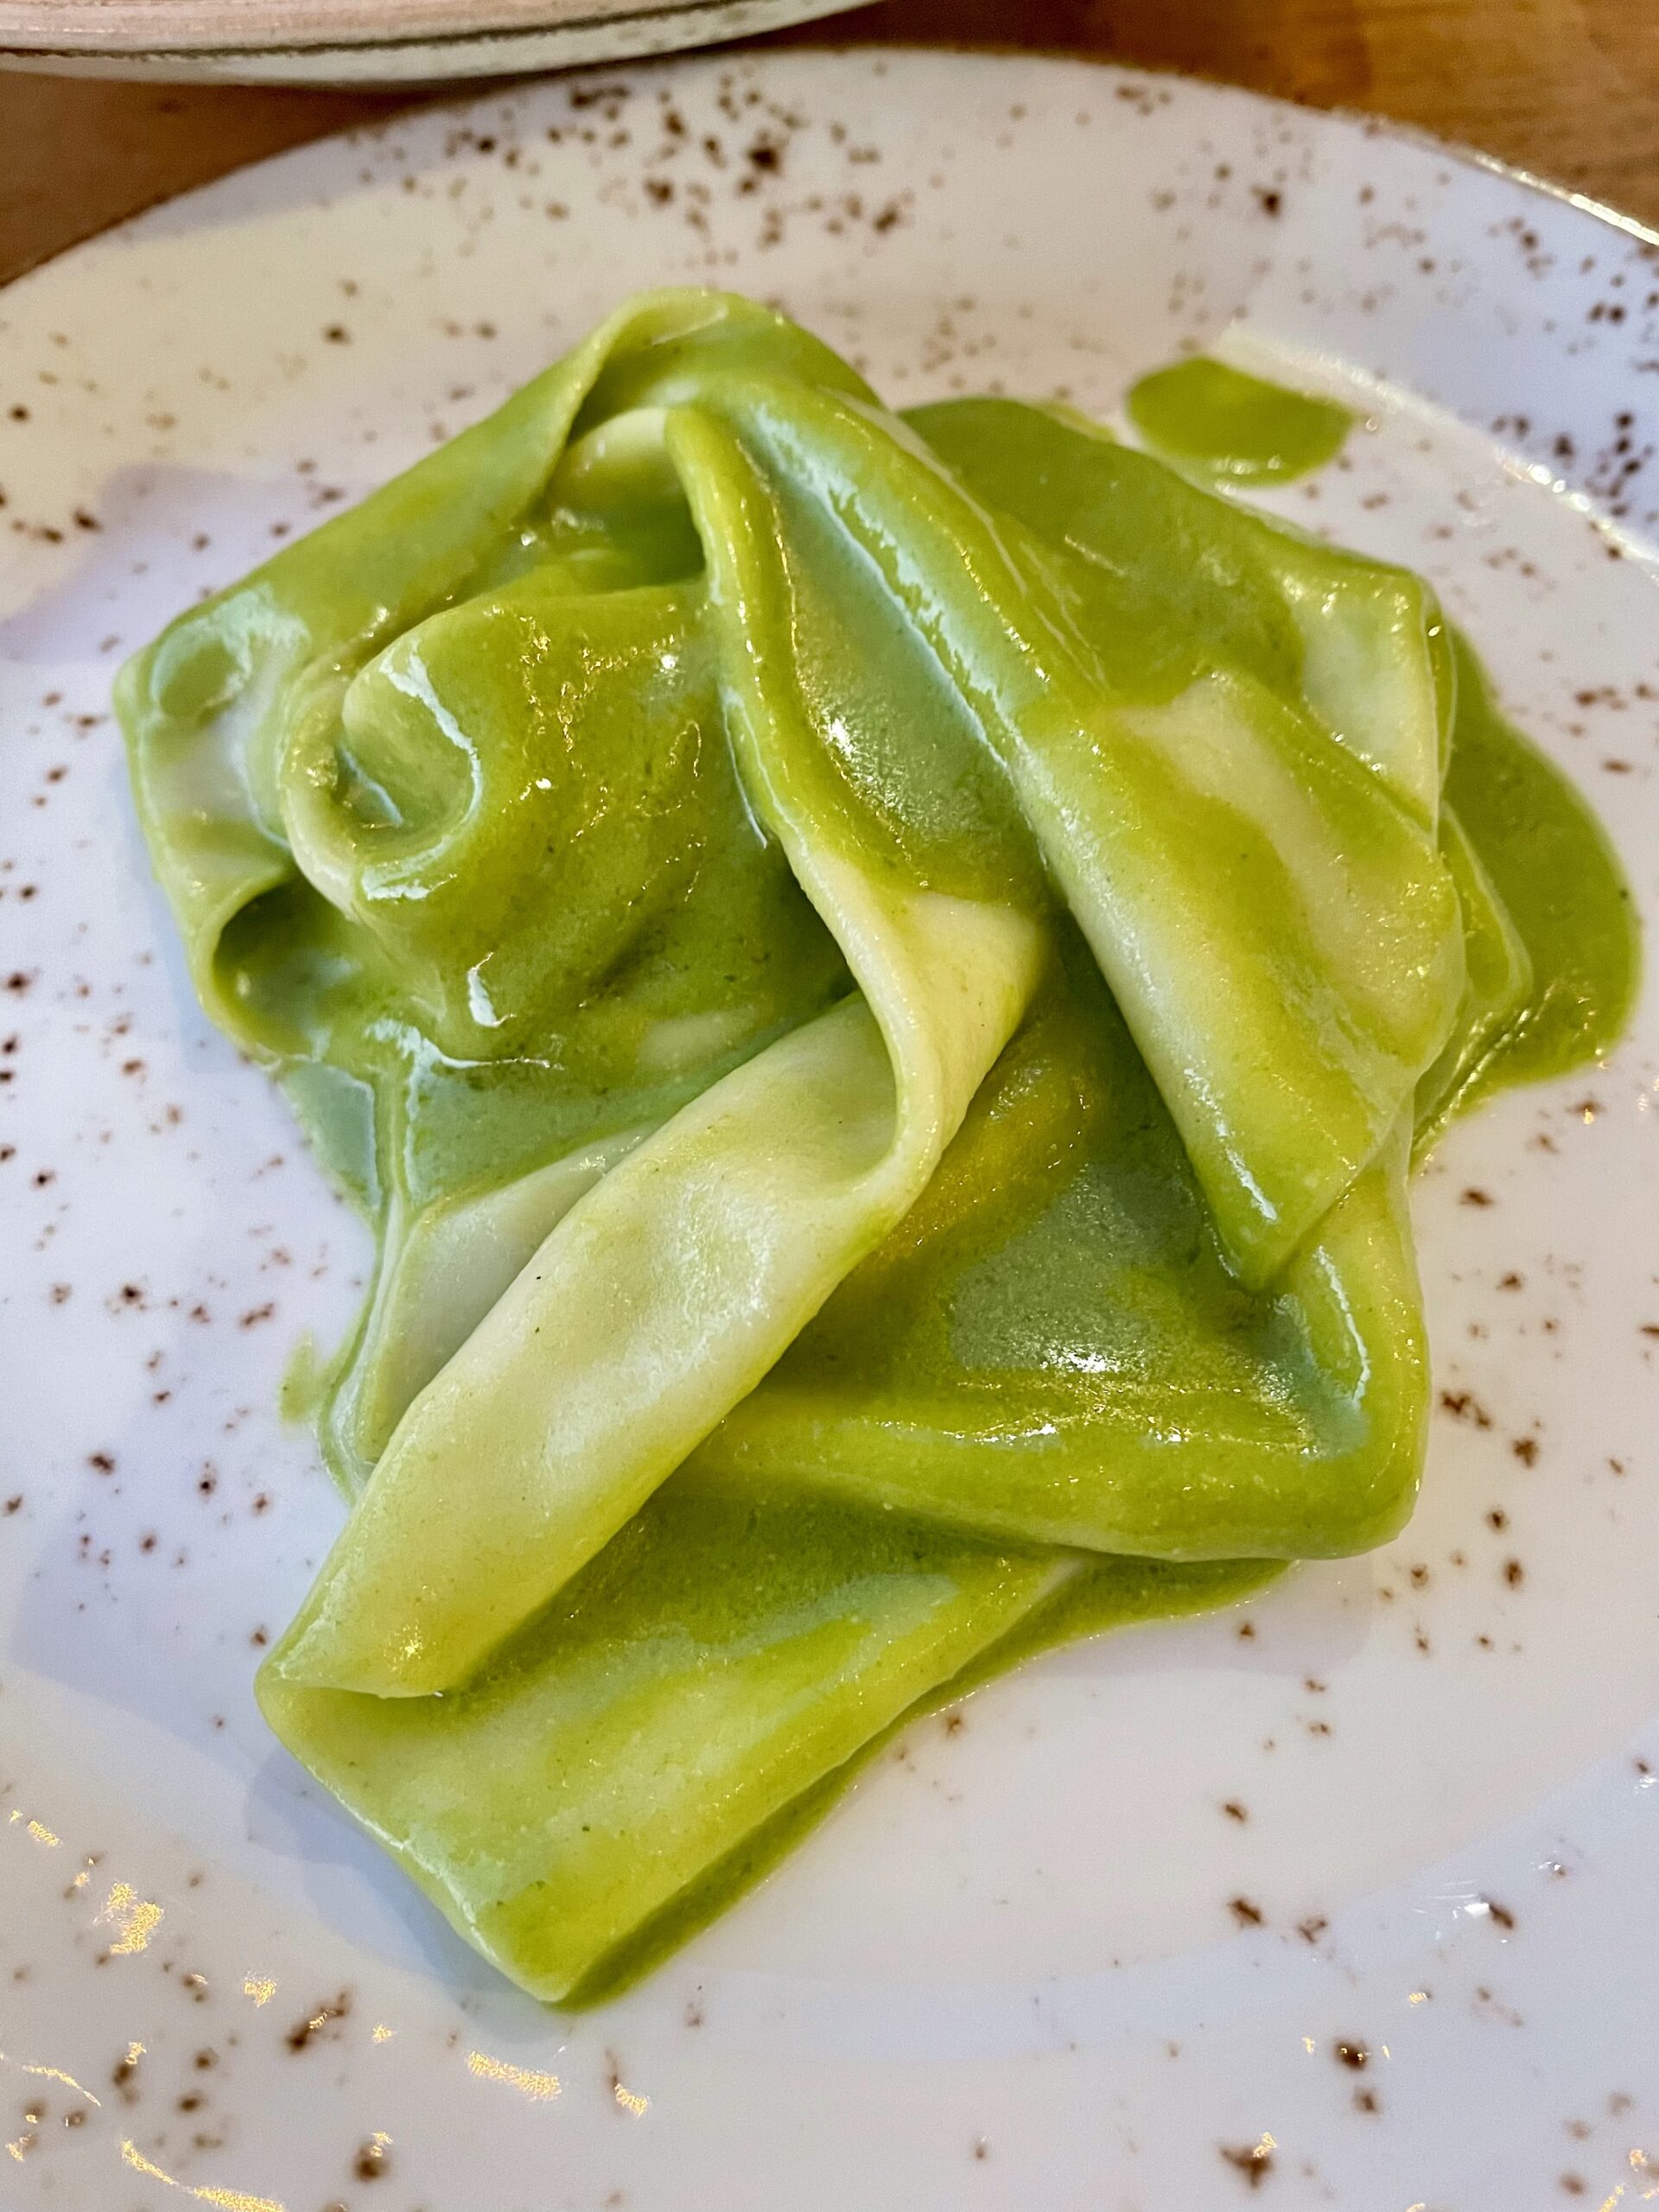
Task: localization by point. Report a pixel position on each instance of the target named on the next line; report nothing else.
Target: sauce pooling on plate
(1223, 422)
(878, 978)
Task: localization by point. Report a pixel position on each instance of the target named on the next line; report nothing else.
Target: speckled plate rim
(1459, 150)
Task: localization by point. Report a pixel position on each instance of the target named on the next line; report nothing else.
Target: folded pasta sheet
(876, 977)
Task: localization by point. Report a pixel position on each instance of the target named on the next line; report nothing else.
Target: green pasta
(877, 978)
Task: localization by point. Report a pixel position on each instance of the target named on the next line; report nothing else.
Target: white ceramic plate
(363, 41)
(1034, 1961)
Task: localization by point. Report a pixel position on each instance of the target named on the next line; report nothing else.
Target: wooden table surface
(1566, 88)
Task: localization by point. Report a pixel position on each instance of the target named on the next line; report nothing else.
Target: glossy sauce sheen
(878, 977)
(1231, 426)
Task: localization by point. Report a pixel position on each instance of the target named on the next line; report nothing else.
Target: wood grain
(1566, 88)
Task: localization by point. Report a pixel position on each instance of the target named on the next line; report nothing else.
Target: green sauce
(1225, 424)
(1552, 865)
(1109, 1594)
(877, 978)
(1573, 912)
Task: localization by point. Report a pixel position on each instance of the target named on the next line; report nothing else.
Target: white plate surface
(1034, 1961)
